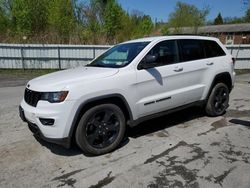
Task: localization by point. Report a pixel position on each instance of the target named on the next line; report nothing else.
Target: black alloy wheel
(101, 129)
(218, 100)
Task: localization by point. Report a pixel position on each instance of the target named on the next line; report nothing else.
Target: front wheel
(218, 100)
(101, 129)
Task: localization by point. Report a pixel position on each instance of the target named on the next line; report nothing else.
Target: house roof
(227, 28)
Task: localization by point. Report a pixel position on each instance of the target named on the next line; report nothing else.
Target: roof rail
(202, 35)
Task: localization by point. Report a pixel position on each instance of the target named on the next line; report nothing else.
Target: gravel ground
(184, 149)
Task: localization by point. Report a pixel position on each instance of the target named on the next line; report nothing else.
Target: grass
(242, 71)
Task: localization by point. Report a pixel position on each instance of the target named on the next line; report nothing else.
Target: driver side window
(166, 53)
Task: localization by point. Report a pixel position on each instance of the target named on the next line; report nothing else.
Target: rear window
(213, 49)
(191, 50)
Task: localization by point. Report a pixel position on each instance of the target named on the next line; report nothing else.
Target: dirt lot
(185, 149)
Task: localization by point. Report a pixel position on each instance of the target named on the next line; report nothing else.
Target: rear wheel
(101, 129)
(218, 100)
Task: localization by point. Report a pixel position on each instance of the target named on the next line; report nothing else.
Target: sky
(160, 9)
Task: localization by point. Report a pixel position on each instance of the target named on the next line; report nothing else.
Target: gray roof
(227, 28)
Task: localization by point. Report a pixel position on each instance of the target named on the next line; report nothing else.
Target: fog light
(46, 121)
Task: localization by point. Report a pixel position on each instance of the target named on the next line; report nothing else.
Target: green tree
(61, 18)
(4, 20)
(6, 6)
(90, 17)
(218, 20)
(247, 16)
(234, 20)
(142, 25)
(113, 15)
(146, 25)
(165, 29)
(186, 15)
(127, 31)
(29, 16)
(90, 20)
(77, 21)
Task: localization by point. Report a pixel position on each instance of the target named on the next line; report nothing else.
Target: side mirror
(148, 62)
(150, 58)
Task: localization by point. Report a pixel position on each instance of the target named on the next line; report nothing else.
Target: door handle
(178, 69)
(210, 63)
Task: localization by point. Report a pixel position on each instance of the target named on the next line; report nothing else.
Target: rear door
(215, 61)
(195, 69)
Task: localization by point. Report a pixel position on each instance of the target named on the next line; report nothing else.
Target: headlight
(54, 97)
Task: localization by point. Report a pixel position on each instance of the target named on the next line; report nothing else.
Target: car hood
(60, 80)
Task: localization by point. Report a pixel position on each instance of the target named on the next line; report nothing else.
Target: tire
(217, 102)
(100, 129)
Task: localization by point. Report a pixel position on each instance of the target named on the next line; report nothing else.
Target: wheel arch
(223, 77)
(117, 99)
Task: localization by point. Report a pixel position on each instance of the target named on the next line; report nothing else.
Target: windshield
(119, 56)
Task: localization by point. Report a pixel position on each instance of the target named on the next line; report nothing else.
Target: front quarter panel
(117, 85)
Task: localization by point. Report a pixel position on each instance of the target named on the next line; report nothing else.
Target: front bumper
(62, 114)
(65, 142)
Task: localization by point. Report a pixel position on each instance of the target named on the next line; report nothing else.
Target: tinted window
(191, 50)
(166, 52)
(213, 49)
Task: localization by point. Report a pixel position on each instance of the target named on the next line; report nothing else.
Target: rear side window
(191, 50)
(213, 49)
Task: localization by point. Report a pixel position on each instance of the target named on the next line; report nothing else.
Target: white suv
(129, 83)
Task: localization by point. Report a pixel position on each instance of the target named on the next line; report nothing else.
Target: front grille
(32, 97)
